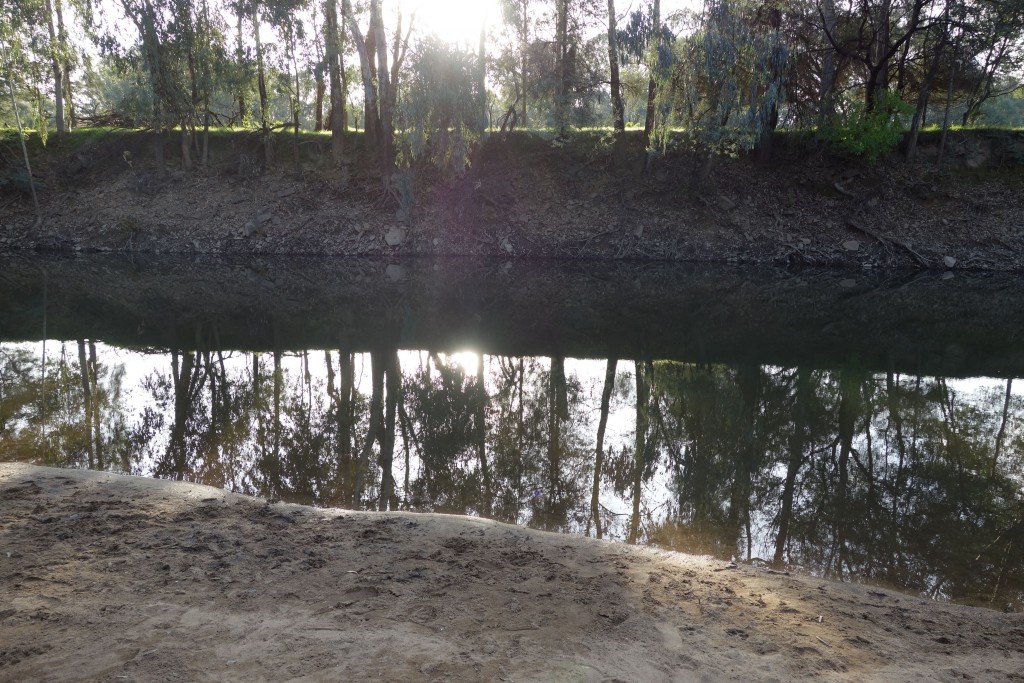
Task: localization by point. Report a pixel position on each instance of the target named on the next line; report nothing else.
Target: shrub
(870, 134)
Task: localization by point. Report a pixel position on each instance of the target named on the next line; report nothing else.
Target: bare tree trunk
(849, 389)
(83, 367)
(296, 103)
(878, 70)
(261, 82)
(375, 427)
(522, 58)
(797, 442)
(240, 56)
(481, 433)
(618, 111)
(386, 142)
(949, 106)
(97, 405)
(62, 36)
(21, 136)
(922, 104)
(393, 376)
(58, 73)
(826, 97)
(606, 397)
(371, 123)
(562, 65)
(643, 399)
(998, 450)
(558, 412)
(652, 84)
(335, 76)
(482, 76)
(186, 146)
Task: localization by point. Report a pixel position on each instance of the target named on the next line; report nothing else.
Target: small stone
(851, 245)
(948, 275)
(394, 236)
(264, 217)
(725, 204)
(847, 283)
(949, 261)
(250, 228)
(506, 246)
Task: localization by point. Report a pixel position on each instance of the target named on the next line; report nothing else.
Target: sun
(454, 21)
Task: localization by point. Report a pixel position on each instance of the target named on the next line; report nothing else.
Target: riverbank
(534, 196)
(110, 578)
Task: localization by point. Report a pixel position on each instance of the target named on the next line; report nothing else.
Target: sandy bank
(114, 578)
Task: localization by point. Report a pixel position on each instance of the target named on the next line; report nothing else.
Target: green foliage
(870, 134)
(441, 110)
(727, 81)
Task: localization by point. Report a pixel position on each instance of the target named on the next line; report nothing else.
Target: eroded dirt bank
(532, 197)
(112, 578)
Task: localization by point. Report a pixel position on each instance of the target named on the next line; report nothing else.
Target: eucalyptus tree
(726, 81)
(334, 55)
(381, 71)
(13, 36)
(441, 106)
(645, 40)
(618, 111)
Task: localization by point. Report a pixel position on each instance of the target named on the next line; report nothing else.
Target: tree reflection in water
(912, 482)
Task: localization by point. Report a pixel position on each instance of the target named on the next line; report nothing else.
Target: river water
(854, 426)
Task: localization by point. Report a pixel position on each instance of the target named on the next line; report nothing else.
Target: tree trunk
(643, 399)
(386, 101)
(186, 146)
(24, 149)
(878, 69)
(318, 103)
(296, 104)
(240, 56)
(606, 397)
(62, 36)
(849, 405)
(797, 442)
(618, 111)
(58, 72)
(949, 106)
(344, 421)
(522, 58)
(393, 376)
(922, 102)
(826, 97)
(482, 76)
(268, 147)
(562, 65)
(374, 429)
(557, 414)
(1001, 435)
(652, 84)
(335, 76)
(371, 122)
(481, 433)
(87, 404)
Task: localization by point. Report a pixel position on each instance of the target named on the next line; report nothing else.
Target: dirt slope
(532, 197)
(111, 578)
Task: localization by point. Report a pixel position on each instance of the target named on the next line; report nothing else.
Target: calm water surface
(862, 429)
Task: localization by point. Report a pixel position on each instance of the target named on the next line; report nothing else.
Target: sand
(112, 578)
